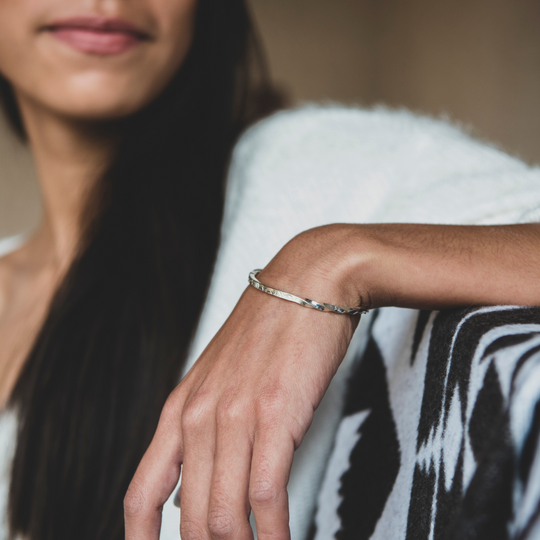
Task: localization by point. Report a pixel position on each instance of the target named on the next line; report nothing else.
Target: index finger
(155, 479)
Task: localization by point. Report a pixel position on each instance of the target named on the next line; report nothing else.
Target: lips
(97, 35)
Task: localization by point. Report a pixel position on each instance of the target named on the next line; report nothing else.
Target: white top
(318, 165)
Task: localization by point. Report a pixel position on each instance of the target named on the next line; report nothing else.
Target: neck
(70, 156)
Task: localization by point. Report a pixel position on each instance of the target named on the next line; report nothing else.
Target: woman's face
(93, 59)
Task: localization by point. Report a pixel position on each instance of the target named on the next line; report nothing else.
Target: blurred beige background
(475, 61)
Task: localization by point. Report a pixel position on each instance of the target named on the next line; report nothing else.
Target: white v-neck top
(319, 165)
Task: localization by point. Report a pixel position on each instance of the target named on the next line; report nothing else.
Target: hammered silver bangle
(305, 302)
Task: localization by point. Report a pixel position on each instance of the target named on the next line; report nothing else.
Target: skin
(235, 420)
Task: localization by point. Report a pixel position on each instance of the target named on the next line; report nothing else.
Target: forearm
(415, 266)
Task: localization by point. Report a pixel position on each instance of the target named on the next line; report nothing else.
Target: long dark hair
(114, 342)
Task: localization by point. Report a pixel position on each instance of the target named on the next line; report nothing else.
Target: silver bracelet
(305, 302)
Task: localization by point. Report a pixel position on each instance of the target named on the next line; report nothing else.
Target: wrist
(332, 264)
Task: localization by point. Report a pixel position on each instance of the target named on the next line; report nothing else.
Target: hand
(236, 419)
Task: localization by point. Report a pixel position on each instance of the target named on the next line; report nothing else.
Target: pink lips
(97, 35)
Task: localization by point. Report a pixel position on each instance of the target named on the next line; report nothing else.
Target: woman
(131, 110)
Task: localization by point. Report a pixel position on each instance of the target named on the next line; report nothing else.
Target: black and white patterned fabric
(439, 436)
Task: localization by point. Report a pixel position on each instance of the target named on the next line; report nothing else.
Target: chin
(103, 99)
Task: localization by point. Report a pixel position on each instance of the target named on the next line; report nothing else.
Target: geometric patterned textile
(440, 431)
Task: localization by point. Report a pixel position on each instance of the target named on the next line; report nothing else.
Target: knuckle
(192, 530)
(230, 411)
(194, 413)
(178, 394)
(221, 523)
(135, 502)
(263, 492)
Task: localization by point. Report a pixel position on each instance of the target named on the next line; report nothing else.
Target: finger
(155, 478)
(198, 430)
(228, 512)
(270, 468)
